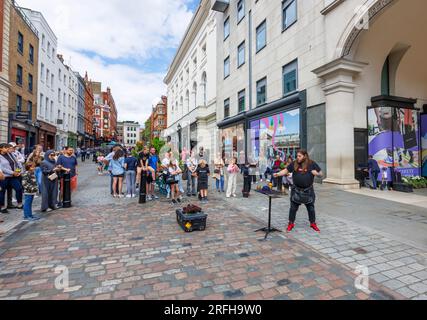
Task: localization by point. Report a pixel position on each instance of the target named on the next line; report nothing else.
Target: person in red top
(303, 170)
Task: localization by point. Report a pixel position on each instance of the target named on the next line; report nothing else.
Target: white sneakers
(129, 196)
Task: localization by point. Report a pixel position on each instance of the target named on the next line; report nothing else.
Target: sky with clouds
(127, 45)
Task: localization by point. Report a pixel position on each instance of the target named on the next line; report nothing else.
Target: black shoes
(4, 211)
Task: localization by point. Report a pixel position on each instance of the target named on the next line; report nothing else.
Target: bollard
(143, 188)
(66, 191)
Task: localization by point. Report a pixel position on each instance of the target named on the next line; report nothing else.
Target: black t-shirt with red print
(301, 178)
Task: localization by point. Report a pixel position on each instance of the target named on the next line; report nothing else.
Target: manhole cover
(360, 251)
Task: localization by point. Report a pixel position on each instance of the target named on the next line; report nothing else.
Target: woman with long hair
(174, 171)
(303, 171)
(117, 166)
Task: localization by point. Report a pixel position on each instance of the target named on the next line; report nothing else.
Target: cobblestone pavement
(351, 236)
(117, 249)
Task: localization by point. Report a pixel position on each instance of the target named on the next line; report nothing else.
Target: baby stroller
(364, 178)
(161, 183)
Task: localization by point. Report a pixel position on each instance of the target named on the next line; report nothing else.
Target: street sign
(22, 116)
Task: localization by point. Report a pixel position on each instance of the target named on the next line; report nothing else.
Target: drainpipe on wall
(246, 122)
(250, 59)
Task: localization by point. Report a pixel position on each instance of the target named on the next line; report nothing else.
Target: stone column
(339, 88)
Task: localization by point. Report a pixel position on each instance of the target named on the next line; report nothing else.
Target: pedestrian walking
(203, 173)
(30, 187)
(131, 163)
(304, 171)
(233, 169)
(83, 154)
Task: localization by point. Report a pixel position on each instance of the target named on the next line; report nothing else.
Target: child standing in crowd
(174, 171)
(233, 170)
(131, 164)
(118, 172)
(101, 164)
(203, 180)
(29, 183)
(384, 179)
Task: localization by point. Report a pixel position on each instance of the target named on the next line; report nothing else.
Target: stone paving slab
(351, 244)
(139, 252)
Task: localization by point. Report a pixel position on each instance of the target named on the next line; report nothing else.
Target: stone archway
(354, 76)
(363, 17)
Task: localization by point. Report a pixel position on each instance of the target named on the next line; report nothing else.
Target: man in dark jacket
(374, 170)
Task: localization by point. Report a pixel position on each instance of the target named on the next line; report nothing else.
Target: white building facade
(131, 133)
(325, 75)
(47, 79)
(67, 102)
(191, 82)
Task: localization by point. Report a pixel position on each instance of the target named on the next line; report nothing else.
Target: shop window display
(394, 139)
(233, 144)
(424, 144)
(275, 135)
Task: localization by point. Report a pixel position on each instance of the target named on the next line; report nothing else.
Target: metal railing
(25, 18)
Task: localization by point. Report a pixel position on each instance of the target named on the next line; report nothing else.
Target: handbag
(170, 179)
(302, 196)
(185, 174)
(53, 176)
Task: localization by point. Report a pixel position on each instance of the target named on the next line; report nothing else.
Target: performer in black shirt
(303, 170)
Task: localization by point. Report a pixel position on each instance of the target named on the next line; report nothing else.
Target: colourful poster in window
(279, 134)
(424, 144)
(393, 139)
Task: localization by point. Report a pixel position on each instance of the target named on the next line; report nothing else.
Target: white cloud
(116, 29)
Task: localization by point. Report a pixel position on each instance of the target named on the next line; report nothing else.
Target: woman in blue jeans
(131, 163)
(219, 174)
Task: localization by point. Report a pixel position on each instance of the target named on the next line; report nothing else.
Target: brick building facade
(23, 75)
(159, 118)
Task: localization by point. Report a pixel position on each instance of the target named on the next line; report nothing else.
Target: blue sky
(127, 47)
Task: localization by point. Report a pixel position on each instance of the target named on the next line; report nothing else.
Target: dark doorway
(360, 147)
